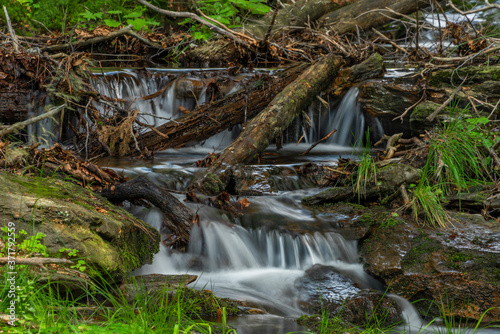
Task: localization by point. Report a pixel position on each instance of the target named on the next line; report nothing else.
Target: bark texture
(297, 14)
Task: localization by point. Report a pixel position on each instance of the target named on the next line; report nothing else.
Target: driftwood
(366, 14)
(178, 217)
(273, 120)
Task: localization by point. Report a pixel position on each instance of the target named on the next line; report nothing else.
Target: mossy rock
(110, 240)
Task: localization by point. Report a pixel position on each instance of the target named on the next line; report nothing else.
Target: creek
(264, 257)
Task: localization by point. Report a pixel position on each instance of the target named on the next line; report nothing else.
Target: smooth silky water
(261, 257)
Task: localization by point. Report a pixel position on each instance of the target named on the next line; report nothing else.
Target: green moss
(422, 249)
(205, 305)
(324, 324)
(42, 187)
(474, 74)
(213, 184)
(390, 222)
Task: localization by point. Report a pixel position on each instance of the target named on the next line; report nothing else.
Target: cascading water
(268, 265)
(349, 121)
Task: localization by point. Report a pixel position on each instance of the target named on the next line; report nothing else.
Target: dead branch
(15, 42)
(432, 116)
(195, 17)
(391, 147)
(378, 33)
(21, 125)
(410, 108)
(89, 41)
(319, 141)
(469, 57)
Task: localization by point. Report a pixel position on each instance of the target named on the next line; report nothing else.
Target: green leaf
(114, 12)
(137, 24)
(133, 15)
(112, 23)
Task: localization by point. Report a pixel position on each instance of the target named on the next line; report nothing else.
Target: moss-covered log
(278, 115)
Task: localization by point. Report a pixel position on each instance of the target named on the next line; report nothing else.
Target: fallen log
(366, 14)
(208, 120)
(178, 217)
(296, 14)
(272, 121)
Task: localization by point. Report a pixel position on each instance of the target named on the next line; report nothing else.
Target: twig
(268, 32)
(410, 108)
(143, 39)
(15, 42)
(378, 33)
(20, 125)
(391, 147)
(89, 41)
(487, 6)
(432, 116)
(319, 141)
(466, 58)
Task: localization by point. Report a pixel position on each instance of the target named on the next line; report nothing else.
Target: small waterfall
(349, 121)
(221, 247)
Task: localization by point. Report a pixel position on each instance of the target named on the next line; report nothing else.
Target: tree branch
(20, 125)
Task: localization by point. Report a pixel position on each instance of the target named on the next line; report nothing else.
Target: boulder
(457, 267)
(110, 240)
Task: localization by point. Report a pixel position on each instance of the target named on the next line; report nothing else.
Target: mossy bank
(110, 240)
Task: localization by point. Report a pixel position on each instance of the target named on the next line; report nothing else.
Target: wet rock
(108, 239)
(459, 267)
(369, 307)
(387, 181)
(324, 284)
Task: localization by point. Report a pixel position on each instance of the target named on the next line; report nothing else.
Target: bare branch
(20, 125)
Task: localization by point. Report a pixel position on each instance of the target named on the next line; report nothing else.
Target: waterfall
(349, 121)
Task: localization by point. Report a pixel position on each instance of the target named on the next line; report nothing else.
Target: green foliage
(426, 206)
(229, 13)
(366, 170)
(42, 309)
(458, 158)
(63, 15)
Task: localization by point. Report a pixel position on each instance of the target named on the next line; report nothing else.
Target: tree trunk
(273, 120)
(369, 13)
(210, 119)
(178, 217)
(298, 14)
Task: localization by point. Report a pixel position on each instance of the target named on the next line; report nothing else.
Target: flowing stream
(264, 257)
